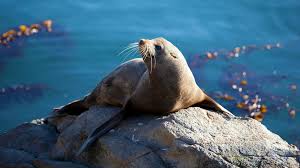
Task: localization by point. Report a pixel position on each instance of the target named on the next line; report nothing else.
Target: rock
(29, 137)
(12, 158)
(115, 151)
(55, 164)
(74, 135)
(61, 123)
(192, 137)
(13, 165)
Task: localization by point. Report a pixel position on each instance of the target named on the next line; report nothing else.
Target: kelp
(24, 31)
(242, 90)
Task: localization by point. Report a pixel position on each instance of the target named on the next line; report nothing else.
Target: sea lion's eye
(157, 47)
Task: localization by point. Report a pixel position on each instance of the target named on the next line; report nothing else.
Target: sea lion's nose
(142, 41)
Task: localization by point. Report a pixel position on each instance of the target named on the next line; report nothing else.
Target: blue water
(88, 35)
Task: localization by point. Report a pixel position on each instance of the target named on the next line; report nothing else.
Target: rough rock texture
(28, 146)
(62, 123)
(189, 138)
(55, 164)
(73, 136)
(32, 138)
(192, 137)
(14, 158)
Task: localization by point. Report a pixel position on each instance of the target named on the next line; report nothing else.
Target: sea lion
(113, 90)
(159, 83)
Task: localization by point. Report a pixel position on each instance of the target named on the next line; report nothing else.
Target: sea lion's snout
(145, 47)
(148, 53)
(145, 43)
(142, 42)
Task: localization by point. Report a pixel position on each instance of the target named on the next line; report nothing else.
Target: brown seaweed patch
(244, 90)
(23, 31)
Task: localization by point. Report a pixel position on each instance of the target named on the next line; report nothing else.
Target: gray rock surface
(62, 123)
(29, 137)
(192, 137)
(28, 146)
(14, 158)
(55, 164)
(73, 136)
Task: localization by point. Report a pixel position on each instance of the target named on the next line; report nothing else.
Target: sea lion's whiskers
(125, 49)
(130, 51)
(127, 86)
(130, 46)
(150, 63)
(142, 51)
(135, 43)
(147, 52)
(134, 52)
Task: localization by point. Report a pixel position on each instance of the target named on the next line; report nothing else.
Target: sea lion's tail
(211, 104)
(101, 130)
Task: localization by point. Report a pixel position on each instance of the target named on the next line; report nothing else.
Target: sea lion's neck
(169, 75)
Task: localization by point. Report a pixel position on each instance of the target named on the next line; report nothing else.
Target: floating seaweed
(243, 90)
(21, 93)
(199, 59)
(11, 42)
(24, 31)
(57, 41)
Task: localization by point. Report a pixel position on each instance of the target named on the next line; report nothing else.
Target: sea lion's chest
(162, 95)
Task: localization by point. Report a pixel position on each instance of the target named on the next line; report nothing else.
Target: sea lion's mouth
(147, 52)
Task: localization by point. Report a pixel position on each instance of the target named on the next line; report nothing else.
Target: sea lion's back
(118, 85)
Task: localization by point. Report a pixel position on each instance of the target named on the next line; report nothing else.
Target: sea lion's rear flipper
(102, 129)
(210, 104)
(74, 108)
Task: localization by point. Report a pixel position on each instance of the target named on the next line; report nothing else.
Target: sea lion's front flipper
(102, 129)
(210, 104)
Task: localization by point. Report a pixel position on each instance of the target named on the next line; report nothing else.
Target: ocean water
(51, 69)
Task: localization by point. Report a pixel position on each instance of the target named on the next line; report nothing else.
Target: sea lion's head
(158, 51)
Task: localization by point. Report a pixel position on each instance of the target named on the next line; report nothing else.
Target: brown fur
(159, 83)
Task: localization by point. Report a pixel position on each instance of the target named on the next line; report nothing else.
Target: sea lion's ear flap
(173, 55)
